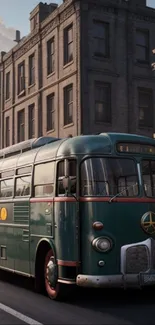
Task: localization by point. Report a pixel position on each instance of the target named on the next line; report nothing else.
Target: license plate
(147, 278)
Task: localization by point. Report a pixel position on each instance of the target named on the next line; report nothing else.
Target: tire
(58, 291)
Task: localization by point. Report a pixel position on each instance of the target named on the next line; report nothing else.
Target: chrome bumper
(114, 281)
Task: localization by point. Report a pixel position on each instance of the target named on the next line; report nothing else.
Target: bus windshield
(109, 176)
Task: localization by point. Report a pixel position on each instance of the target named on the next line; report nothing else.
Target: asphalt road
(19, 304)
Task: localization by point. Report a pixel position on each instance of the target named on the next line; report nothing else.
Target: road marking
(18, 315)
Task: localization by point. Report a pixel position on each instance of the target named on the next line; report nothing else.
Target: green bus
(79, 211)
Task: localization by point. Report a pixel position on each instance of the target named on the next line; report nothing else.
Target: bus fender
(48, 242)
(45, 245)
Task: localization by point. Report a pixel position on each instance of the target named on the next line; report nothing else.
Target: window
(50, 56)
(142, 46)
(148, 174)
(7, 173)
(31, 69)
(108, 177)
(44, 179)
(145, 104)
(7, 131)
(21, 125)
(34, 21)
(7, 85)
(21, 78)
(6, 188)
(23, 185)
(68, 104)
(68, 44)
(50, 112)
(101, 39)
(102, 102)
(66, 168)
(31, 121)
(24, 170)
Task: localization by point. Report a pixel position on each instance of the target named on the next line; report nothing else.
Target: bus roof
(46, 148)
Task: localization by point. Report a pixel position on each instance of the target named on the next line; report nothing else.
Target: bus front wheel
(53, 289)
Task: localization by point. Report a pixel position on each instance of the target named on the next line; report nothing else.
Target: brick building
(84, 68)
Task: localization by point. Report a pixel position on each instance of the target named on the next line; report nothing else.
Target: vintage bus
(79, 211)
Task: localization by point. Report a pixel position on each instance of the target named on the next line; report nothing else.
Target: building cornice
(59, 15)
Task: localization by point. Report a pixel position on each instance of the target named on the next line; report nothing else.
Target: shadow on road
(96, 296)
(126, 307)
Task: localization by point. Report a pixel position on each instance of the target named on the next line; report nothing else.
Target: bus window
(66, 170)
(60, 176)
(24, 170)
(109, 176)
(23, 185)
(44, 179)
(6, 188)
(7, 173)
(148, 174)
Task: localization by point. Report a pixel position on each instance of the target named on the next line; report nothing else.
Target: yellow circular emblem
(3, 214)
(148, 222)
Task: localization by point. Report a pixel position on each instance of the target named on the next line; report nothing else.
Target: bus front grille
(137, 259)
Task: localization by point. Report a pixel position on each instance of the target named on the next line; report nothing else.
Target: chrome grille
(153, 254)
(137, 259)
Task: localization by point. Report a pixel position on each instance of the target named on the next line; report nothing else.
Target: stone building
(84, 68)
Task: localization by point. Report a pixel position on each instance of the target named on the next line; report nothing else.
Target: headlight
(102, 244)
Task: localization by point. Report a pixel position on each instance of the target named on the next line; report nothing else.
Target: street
(19, 304)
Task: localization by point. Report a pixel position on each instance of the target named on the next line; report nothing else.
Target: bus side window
(61, 173)
(44, 179)
(60, 176)
(72, 174)
(6, 187)
(23, 185)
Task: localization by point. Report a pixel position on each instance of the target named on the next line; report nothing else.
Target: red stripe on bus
(64, 199)
(34, 200)
(67, 263)
(94, 199)
(120, 199)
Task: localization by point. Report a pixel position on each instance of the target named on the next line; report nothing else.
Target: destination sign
(136, 148)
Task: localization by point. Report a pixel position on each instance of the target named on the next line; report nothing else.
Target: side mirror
(66, 184)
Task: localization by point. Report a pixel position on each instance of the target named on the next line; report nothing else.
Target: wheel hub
(51, 274)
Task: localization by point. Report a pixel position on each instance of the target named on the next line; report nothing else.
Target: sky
(14, 14)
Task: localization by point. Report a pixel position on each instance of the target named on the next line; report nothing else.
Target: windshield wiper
(125, 189)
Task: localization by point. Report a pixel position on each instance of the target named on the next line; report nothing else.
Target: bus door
(67, 219)
(21, 221)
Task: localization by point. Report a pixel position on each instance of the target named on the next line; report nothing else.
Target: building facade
(84, 68)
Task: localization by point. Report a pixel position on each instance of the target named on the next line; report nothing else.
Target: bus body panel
(121, 223)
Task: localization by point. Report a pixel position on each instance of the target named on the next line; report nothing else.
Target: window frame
(50, 56)
(32, 69)
(148, 91)
(106, 39)
(42, 184)
(66, 166)
(21, 78)
(108, 116)
(13, 190)
(7, 85)
(67, 103)
(21, 124)
(67, 43)
(145, 32)
(7, 131)
(50, 111)
(31, 108)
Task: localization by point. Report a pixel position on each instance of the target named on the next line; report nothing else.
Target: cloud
(7, 36)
